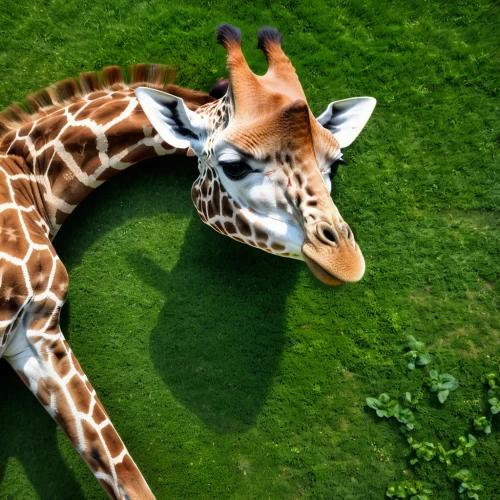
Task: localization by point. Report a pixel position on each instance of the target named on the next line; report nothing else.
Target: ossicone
(267, 37)
(228, 35)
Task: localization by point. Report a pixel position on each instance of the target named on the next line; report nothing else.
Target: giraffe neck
(66, 154)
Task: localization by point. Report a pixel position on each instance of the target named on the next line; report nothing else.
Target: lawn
(233, 374)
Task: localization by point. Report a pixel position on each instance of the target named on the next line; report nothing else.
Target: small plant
(428, 451)
(424, 450)
(385, 407)
(414, 490)
(443, 455)
(466, 488)
(413, 399)
(442, 383)
(418, 353)
(465, 446)
(482, 424)
(491, 379)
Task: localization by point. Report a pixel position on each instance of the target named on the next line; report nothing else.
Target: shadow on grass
(219, 338)
(217, 342)
(29, 434)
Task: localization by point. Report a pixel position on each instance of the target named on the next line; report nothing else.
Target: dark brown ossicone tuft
(228, 35)
(220, 88)
(268, 36)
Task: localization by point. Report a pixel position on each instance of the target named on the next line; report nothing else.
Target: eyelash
(239, 169)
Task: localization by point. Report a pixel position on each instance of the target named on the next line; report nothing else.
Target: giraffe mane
(60, 94)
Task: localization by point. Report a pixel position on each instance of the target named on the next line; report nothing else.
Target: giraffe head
(266, 162)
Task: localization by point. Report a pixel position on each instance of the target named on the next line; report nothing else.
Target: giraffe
(265, 166)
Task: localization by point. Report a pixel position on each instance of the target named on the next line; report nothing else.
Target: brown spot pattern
(113, 441)
(79, 393)
(243, 226)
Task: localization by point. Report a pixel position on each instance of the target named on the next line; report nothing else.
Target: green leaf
(482, 424)
(417, 489)
(495, 405)
(418, 353)
(412, 343)
(384, 398)
(491, 379)
(443, 395)
(373, 403)
(442, 384)
(423, 359)
(448, 382)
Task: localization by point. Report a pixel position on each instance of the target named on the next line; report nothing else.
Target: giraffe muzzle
(332, 254)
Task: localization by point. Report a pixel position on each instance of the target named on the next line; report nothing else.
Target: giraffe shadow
(219, 338)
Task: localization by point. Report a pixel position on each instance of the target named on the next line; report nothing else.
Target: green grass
(233, 374)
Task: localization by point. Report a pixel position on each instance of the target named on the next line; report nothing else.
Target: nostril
(349, 232)
(329, 235)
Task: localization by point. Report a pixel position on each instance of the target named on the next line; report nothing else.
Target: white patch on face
(229, 155)
(292, 237)
(258, 195)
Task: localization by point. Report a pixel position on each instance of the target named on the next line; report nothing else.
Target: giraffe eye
(335, 166)
(235, 170)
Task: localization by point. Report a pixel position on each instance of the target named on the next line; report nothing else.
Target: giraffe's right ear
(176, 124)
(345, 119)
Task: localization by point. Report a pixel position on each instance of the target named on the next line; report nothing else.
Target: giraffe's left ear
(346, 119)
(176, 124)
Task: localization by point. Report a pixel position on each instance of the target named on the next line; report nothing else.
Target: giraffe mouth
(334, 260)
(321, 273)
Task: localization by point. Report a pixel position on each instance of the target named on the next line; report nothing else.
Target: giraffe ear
(176, 124)
(346, 119)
